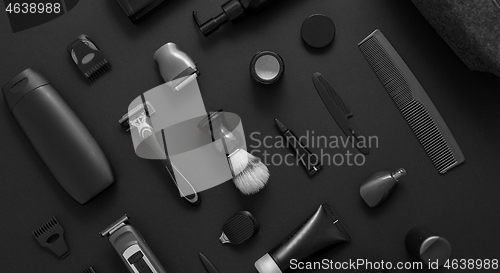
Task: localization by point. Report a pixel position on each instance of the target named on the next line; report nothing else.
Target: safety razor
(138, 118)
(132, 247)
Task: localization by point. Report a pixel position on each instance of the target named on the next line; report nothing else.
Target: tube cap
(21, 85)
(266, 264)
(435, 248)
(424, 244)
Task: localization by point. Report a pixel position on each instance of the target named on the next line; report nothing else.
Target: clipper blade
(89, 270)
(51, 236)
(116, 225)
(239, 228)
(88, 58)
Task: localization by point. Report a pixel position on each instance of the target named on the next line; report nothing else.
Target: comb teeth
(51, 235)
(429, 135)
(89, 270)
(413, 102)
(98, 70)
(388, 73)
(45, 227)
(240, 228)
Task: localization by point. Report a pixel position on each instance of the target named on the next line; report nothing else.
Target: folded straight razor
(340, 112)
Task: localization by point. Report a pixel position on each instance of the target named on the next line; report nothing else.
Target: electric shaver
(132, 248)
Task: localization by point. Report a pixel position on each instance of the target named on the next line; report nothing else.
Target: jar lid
(318, 30)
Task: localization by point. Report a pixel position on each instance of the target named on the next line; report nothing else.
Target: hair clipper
(132, 247)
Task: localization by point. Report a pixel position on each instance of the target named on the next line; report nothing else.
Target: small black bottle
(59, 137)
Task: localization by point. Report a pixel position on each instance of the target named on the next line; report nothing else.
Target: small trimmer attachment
(88, 58)
(51, 236)
(239, 228)
(132, 247)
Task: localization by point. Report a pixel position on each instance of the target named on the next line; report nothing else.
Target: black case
(136, 10)
(59, 137)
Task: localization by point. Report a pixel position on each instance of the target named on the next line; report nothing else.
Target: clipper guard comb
(88, 58)
(51, 236)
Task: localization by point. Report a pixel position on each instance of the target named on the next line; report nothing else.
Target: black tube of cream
(321, 231)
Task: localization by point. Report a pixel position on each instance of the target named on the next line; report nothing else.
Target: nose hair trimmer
(132, 247)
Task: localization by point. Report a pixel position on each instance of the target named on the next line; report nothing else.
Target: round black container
(318, 30)
(427, 246)
(267, 67)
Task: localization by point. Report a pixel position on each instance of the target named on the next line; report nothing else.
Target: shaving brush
(250, 175)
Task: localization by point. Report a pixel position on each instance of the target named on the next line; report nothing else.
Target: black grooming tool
(340, 112)
(310, 161)
(412, 101)
(232, 10)
(88, 58)
(207, 264)
(131, 247)
(89, 270)
(239, 228)
(51, 236)
(136, 10)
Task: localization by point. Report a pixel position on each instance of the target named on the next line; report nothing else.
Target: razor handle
(134, 251)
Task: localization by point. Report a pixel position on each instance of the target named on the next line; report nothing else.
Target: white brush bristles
(251, 175)
(239, 161)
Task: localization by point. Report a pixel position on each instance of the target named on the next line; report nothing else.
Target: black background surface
(461, 205)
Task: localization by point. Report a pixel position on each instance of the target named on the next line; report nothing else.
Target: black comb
(340, 104)
(413, 102)
(88, 58)
(89, 270)
(51, 236)
(239, 228)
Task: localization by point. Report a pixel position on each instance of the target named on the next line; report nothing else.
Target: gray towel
(470, 27)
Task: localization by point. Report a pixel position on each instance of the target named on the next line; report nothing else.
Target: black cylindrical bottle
(59, 137)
